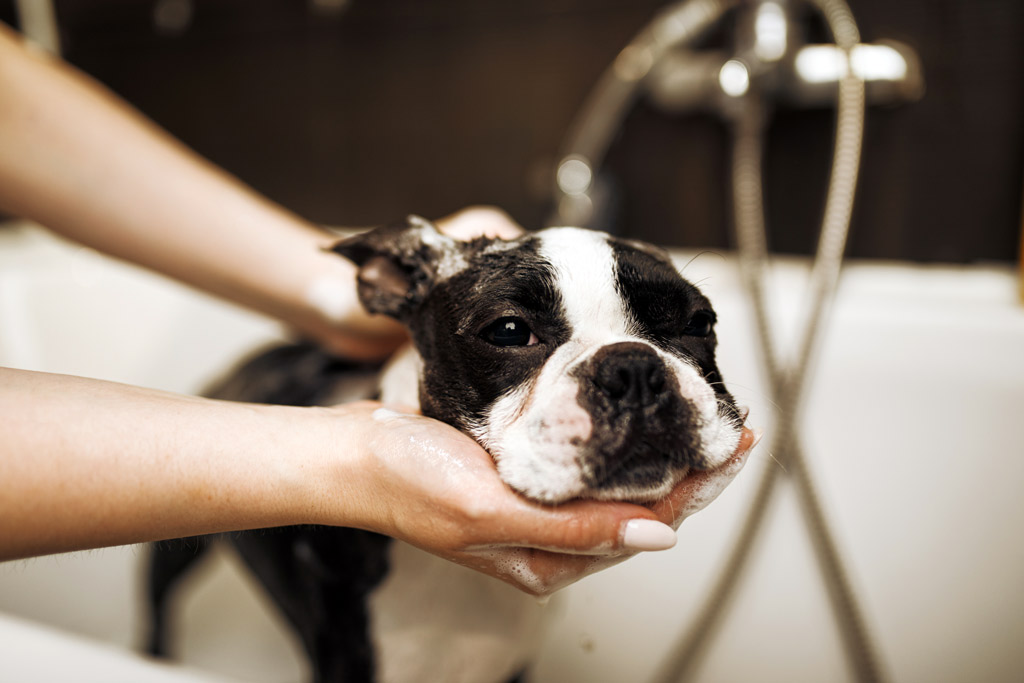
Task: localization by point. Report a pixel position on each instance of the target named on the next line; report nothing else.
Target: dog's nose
(629, 373)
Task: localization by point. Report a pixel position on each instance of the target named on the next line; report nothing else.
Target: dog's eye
(700, 325)
(509, 332)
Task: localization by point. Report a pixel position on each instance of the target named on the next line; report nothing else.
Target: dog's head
(583, 363)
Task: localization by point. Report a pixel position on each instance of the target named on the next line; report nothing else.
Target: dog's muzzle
(643, 427)
(629, 376)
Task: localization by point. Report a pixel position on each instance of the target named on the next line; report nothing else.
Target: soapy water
(711, 484)
(384, 415)
(435, 455)
(514, 564)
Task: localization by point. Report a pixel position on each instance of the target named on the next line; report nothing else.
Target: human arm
(82, 162)
(88, 463)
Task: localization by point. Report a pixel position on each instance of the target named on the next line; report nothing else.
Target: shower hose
(588, 141)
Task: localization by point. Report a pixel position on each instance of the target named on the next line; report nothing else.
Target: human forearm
(87, 463)
(80, 161)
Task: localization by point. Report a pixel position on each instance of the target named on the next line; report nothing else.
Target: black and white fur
(583, 363)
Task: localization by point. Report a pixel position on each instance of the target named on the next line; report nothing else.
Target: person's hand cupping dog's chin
(434, 487)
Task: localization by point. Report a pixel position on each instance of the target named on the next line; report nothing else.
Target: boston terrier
(583, 363)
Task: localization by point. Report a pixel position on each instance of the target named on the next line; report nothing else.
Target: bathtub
(909, 428)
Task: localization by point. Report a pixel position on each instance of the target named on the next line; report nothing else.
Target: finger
(584, 527)
(480, 221)
(603, 528)
(537, 572)
(355, 344)
(697, 490)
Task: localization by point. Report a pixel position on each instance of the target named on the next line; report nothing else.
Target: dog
(583, 363)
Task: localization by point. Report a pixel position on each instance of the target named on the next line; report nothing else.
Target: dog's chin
(574, 489)
(639, 494)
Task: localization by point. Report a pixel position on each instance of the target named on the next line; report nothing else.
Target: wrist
(325, 475)
(321, 302)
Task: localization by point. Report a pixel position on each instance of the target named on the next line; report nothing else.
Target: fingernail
(744, 412)
(758, 433)
(647, 534)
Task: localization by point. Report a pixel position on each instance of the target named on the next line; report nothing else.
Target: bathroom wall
(352, 113)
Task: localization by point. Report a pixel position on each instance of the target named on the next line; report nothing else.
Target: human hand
(342, 325)
(425, 483)
(480, 221)
(551, 569)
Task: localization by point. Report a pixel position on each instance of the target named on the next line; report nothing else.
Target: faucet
(770, 62)
(770, 58)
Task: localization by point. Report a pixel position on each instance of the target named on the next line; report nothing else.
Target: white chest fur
(432, 620)
(400, 379)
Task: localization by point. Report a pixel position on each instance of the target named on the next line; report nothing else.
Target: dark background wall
(384, 107)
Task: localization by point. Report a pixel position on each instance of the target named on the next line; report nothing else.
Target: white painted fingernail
(758, 433)
(647, 534)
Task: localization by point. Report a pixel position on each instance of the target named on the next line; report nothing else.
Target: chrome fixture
(770, 62)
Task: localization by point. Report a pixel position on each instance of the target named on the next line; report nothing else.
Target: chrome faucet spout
(770, 62)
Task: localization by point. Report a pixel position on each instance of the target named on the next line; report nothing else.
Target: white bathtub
(910, 429)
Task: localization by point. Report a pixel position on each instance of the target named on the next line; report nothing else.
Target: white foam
(386, 415)
(715, 482)
(514, 564)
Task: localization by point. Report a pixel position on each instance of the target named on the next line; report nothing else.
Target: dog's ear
(398, 264)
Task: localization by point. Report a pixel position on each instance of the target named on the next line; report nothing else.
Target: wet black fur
(464, 374)
(319, 577)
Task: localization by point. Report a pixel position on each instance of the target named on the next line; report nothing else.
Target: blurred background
(352, 113)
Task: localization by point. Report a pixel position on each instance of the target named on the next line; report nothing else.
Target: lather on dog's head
(583, 363)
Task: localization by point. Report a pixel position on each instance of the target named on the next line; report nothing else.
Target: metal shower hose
(588, 141)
